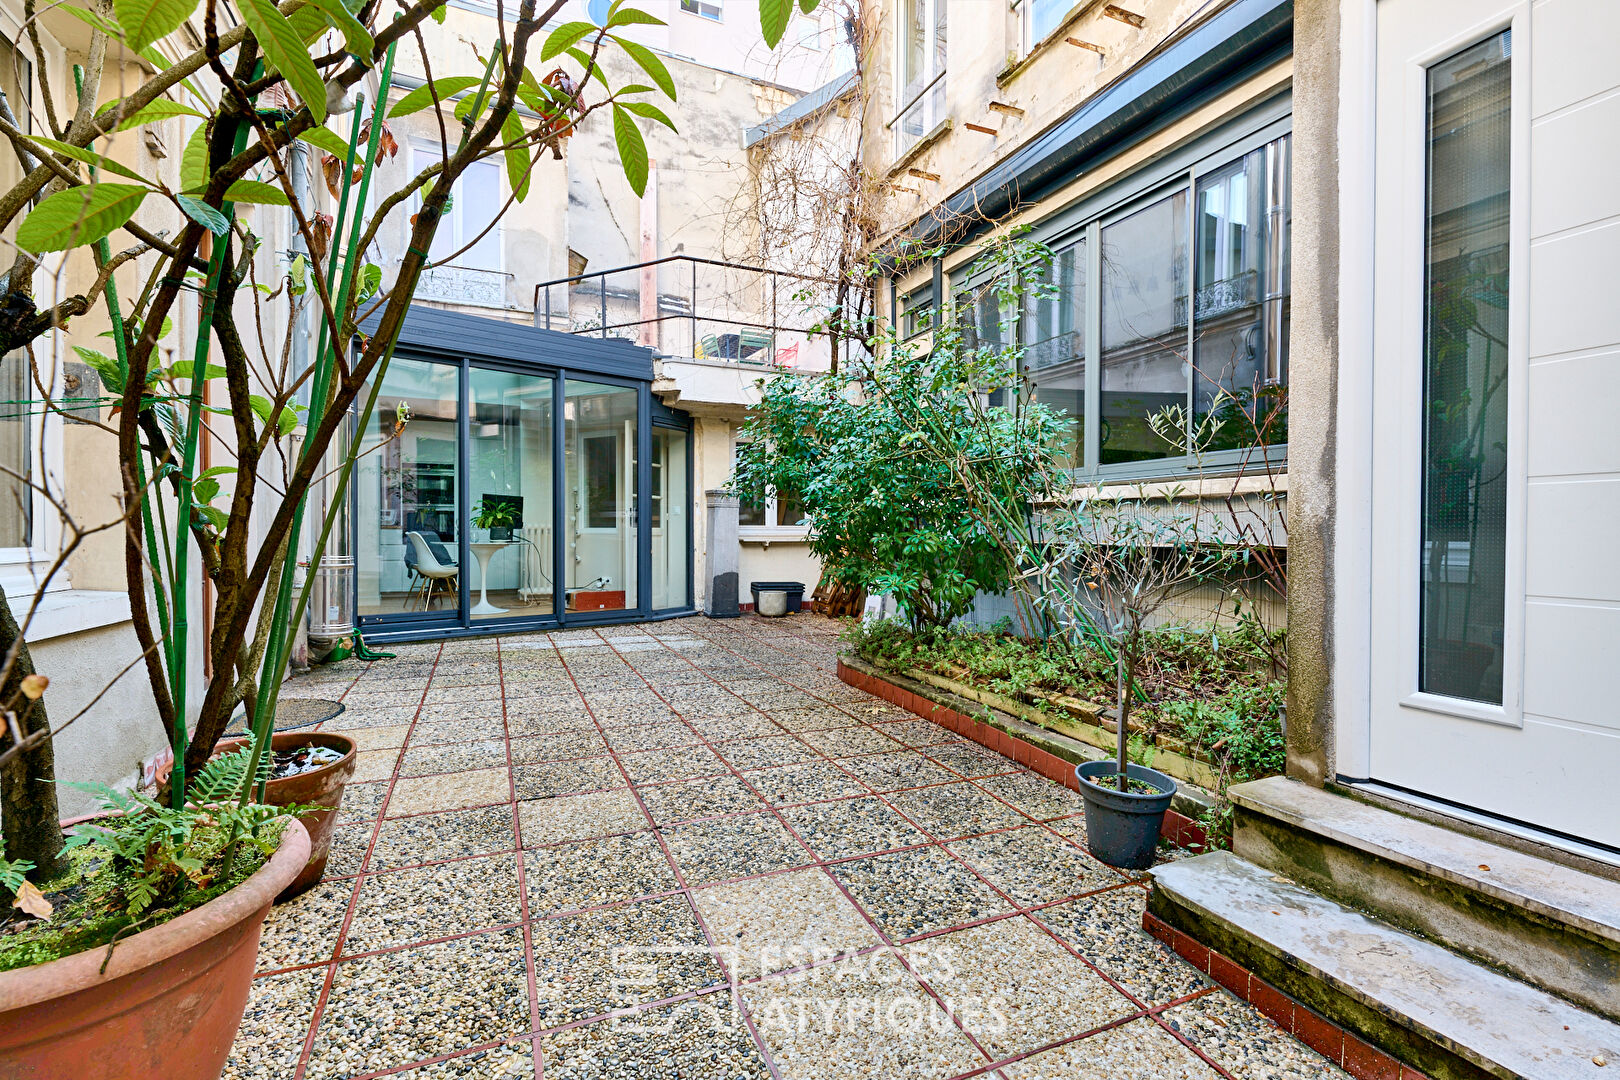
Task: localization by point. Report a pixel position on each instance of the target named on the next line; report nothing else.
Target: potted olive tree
(128, 944)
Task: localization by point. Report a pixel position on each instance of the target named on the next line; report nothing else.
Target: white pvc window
(921, 71)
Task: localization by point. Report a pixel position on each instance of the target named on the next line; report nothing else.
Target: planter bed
(1002, 724)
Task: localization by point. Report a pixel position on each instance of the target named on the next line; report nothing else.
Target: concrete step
(1423, 1004)
(1539, 921)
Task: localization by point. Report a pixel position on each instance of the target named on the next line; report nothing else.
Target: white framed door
(1495, 587)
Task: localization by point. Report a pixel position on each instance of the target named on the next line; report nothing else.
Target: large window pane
(16, 451)
(406, 535)
(1144, 328)
(600, 436)
(671, 503)
(1240, 306)
(509, 494)
(1465, 374)
(1055, 356)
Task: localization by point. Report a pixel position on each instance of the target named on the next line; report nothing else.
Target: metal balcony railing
(685, 306)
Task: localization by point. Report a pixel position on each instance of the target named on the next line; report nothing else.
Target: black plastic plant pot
(1122, 827)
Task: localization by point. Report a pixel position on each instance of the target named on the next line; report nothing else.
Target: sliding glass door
(600, 434)
(509, 492)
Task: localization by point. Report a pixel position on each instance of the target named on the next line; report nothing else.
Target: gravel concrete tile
(896, 772)
(1139, 1050)
(971, 760)
(420, 760)
(861, 1017)
(1107, 930)
(913, 732)
(449, 791)
(370, 765)
(726, 848)
(304, 930)
(522, 722)
(566, 777)
(400, 1007)
(580, 817)
(808, 782)
(361, 802)
(608, 700)
(1033, 866)
(357, 718)
(728, 728)
(699, 1039)
(557, 747)
(530, 698)
(954, 810)
(813, 718)
(838, 830)
(373, 738)
(691, 799)
(468, 693)
(764, 753)
(916, 892)
(1245, 1043)
(1074, 827)
(612, 958)
(1036, 796)
(1024, 989)
(509, 1061)
(435, 837)
(781, 921)
(587, 873)
(849, 741)
(472, 717)
(436, 901)
(634, 716)
(679, 763)
(628, 740)
(348, 851)
(429, 731)
(271, 1038)
(361, 701)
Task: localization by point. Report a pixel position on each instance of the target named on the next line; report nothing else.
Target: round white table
(484, 550)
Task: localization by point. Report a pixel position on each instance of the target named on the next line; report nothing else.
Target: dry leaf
(320, 233)
(1482, 866)
(32, 901)
(1599, 1060)
(33, 686)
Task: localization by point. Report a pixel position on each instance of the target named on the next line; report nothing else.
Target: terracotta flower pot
(168, 1003)
(322, 787)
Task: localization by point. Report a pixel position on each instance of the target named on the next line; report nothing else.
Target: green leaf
(161, 109)
(356, 38)
(216, 517)
(217, 470)
(370, 281)
(90, 157)
(194, 161)
(286, 50)
(204, 215)
(112, 377)
(328, 140)
(146, 21)
(256, 192)
(286, 420)
(160, 63)
(650, 63)
(628, 16)
(650, 111)
(636, 88)
(205, 490)
(517, 156)
(439, 13)
(807, 6)
(95, 19)
(422, 96)
(564, 37)
(590, 70)
(632, 150)
(181, 369)
(773, 19)
(80, 215)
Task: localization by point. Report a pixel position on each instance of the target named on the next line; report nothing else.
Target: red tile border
(1358, 1057)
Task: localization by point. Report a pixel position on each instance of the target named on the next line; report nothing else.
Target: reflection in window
(1240, 305)
(1055, 353)
(16, 497)
(601, 453)
(1465, 383)
(1144, 328)
(917, 311)
(709, 9)
(922, 67)
(1041, 17)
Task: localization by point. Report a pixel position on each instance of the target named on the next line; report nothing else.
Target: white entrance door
(1495, 625)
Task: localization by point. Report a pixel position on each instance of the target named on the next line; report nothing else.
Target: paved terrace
(687, 850)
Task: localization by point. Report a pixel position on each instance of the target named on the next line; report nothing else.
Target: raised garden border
(1050, 753)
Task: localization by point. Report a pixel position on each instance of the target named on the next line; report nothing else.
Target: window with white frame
(708, 9)
(21, 415)
(809, 34)
(781, 510)
(920, 71)
(1040, 18)
(1170, 291)
(472, 219)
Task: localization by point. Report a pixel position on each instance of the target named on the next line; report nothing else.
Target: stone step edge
(1260, 797)
(1048, 753)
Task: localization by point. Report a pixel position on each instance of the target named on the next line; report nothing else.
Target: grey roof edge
(806, 106)
(453, 335)
(1228, 46)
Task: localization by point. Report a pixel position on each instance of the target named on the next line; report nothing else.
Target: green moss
(89, 913)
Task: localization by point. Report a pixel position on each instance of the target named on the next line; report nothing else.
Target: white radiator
(536, 576)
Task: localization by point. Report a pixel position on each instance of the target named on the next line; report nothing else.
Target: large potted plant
(175, 884)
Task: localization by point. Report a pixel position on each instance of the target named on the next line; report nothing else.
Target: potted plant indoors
(497, 515)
